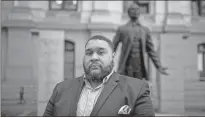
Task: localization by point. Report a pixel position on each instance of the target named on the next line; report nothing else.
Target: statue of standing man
(136, 43)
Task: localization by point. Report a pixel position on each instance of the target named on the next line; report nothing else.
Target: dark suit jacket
(119, 91)
(125, 35)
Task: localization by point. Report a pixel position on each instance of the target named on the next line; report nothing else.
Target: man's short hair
(100, 37)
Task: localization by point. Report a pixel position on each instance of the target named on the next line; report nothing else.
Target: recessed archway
(69, 60)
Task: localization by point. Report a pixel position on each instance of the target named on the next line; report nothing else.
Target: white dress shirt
(89, 96)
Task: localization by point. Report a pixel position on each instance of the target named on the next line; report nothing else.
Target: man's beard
(102, 72)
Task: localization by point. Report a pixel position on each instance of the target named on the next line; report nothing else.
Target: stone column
(160, 12)
(152, 73)
(19, 62)
(179, 13)
(86, 11)
(104, 12)
(172, 86)
(50, 67)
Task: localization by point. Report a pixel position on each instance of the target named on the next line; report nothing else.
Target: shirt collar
(105, 80)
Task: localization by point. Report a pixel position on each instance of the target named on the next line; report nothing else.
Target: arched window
(69, 60)
(201, 59)
(4, 52)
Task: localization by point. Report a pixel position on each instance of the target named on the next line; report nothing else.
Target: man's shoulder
(68, 82)
(133, 85)
(130, 81)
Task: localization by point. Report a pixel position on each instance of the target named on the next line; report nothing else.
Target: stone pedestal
(50, 71)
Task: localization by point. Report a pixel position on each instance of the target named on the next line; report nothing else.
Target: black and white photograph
(95, 58)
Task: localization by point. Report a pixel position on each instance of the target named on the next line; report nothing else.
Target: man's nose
(94, 57)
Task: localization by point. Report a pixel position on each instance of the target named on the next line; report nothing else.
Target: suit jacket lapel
(108, 89)
(75, 95)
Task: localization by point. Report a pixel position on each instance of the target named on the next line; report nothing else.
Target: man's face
(98, 59)
(134, 11)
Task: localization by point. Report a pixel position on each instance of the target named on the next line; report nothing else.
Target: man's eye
(101, 52)
(88, 53)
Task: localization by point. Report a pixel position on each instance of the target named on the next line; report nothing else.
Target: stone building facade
(42, 43)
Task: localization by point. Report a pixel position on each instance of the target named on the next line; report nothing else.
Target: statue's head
(134, 11)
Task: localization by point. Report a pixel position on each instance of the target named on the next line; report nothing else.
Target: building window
(4, 52)
(144, 6)
(201, 59)
(63, 5)
(69, 60)
(198, 7)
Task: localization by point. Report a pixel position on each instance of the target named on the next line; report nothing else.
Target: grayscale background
(42, 43)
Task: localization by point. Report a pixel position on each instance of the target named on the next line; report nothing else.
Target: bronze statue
(136, 42)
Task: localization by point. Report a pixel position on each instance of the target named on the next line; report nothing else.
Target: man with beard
(136, 41)
(100, 91)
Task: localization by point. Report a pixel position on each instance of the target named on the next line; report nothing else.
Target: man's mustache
(94, 64)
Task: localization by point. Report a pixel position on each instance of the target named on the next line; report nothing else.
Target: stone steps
(194, 95)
